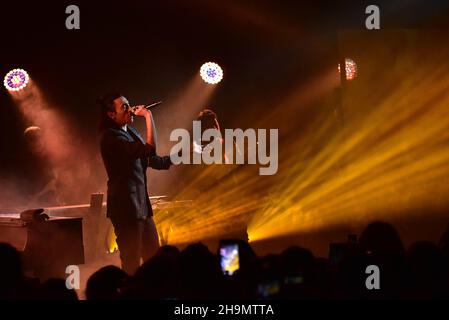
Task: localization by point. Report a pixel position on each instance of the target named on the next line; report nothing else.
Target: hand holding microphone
(144, 111)
(140, 110)
(137, 110)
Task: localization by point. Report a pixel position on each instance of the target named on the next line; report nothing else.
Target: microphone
(147, 106)
(153, 105)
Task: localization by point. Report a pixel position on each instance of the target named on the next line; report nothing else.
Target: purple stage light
(16, 80)
(211, 72)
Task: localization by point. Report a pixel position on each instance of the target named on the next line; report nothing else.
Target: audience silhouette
(419, 272)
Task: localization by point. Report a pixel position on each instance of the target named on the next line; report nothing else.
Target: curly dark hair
(207, 118)
(106, 104)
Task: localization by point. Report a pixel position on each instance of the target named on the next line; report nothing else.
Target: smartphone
(229, 257)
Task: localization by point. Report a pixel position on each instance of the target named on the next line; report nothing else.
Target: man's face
(122, 114)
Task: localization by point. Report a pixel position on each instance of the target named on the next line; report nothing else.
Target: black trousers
(136, 239)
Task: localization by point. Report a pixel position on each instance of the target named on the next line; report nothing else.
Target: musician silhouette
(40, 185)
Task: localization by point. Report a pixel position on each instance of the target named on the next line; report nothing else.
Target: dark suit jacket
(126, 158)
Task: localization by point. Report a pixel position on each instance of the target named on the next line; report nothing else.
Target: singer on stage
(126, 156)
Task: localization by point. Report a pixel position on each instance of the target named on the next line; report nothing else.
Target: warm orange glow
(59, 144)
(387, 160)
(387, 155)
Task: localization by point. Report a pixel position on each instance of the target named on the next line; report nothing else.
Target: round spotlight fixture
(350, 68)
(211, 73)
(16, 80)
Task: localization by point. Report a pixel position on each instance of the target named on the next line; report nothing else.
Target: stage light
(211, 72)
(350, 68)
(16, 80)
